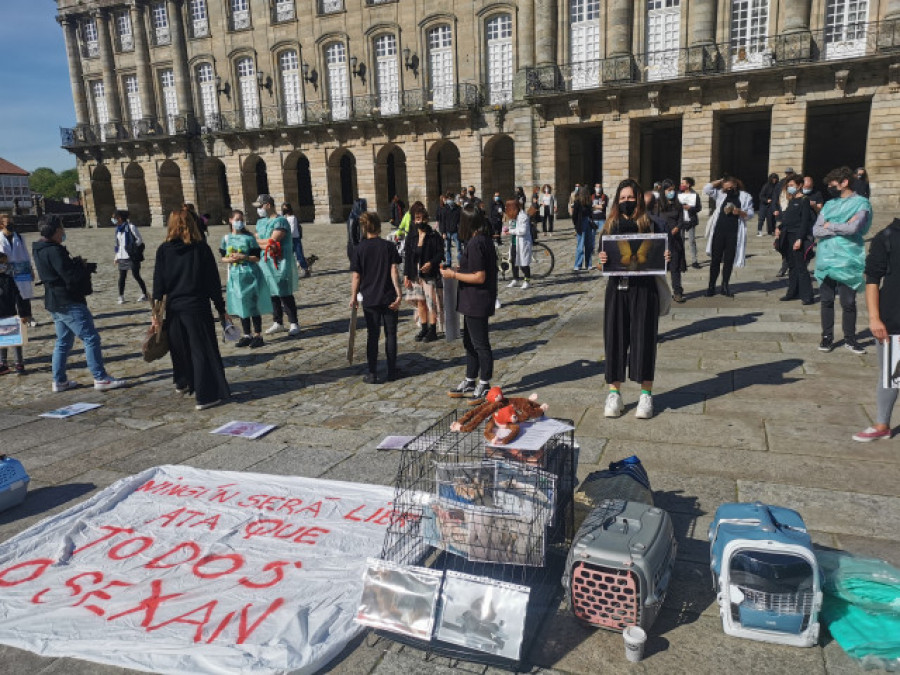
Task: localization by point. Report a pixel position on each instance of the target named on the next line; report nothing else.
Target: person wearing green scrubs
(273, 234)
(246, 291)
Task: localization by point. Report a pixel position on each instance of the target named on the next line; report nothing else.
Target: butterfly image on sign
(634, 254)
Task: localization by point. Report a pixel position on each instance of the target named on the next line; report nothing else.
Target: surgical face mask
(598, 189)
(791, 190)
(835, 192)
(238, 225)
(670, 194)
(547, 191)
(113, 221)
(4, 268)
(627, 209)
(261, 212)
(497, 199)
(807, 191)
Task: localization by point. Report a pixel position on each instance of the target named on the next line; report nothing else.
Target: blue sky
(34, 85)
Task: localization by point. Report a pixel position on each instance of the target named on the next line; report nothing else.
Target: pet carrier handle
(766, 521)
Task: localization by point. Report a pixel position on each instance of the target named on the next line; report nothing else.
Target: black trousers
(477, 343)
(526, 270)
(136, 273)
(377, 316)
(282, 305)
(196, 361)
(26, 308)
(724, 248)
(799, 283)
(631, 330)
(828, 289)
(257, 325)
(677, 253)
(547, 223)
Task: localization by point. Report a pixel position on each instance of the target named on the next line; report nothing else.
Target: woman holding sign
(631, 314)
(13, 245)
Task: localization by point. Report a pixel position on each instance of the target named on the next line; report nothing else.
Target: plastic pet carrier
(13, 482)
(765, 574)
(620, 565)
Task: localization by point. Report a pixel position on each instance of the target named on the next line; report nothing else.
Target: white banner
(181, 570)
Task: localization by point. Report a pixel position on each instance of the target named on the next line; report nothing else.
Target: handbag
(665, 295)
(156, 344)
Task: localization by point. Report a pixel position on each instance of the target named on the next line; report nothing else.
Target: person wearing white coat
(521, 235)
(13, 245)
(129, 254)
(727, 241)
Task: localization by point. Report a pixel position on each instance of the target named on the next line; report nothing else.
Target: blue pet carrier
(765, 574)
(13, 482)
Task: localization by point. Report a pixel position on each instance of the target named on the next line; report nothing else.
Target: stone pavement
(747, 408)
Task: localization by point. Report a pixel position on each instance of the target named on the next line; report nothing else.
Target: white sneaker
(512, 284)
(614, 406)
(294, 330)
(142, 298)
(644, 407)
(121, 300)
(759, 234)
(525, 285)
(33, 323)
(108, 383)
(64, 386)
(274, 328)
(497, 303)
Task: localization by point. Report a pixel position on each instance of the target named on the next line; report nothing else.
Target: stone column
(889, 29)
(796, 15)
(142, 60)
(110, 81)
(787, 143)
(545, 31)
(525, 38)
(795, 42)
(701, 54)
(180, 59)
(82, 107)
(619, 65)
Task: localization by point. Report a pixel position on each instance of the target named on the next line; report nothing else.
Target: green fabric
(246, 291)
(403, 230)
(842, 257)
(281, 277)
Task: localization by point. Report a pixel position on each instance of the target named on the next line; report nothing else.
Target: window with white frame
(440, 66)
(499, 59)
(845, 28)
(387, 71)
(584, 29)
(159, 18)
(249, 88)
(284, 10)
(170, 98)
(209, 96)
(663, 38)
(124, 33)
(89, 37)
(199, 18)
(240, 14)
(133, 99)
(749, 34)
(338, 80)
(291, 89)
(331, 6)
(101, 111)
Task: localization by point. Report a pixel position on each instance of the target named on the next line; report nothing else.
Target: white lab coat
(746, 207)
(522, 231)
(20, 263)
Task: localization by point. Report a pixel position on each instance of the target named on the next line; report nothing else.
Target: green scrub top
(281, 277)
(246, 291)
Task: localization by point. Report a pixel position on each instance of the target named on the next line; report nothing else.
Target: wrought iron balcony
(116, 132)
(851, 41)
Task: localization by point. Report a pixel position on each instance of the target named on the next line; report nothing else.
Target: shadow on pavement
(44, 499)
(707, 325)
(535, 299)
(579, 369)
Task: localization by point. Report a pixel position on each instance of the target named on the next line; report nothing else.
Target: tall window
(89, 37)
(240, 14)
(290, 87)
(749, 28)
(388, 73)
(331, 6)
(845, 28)
(284, 10)
(584, 26)
(170, 99)
(499, 59)
(209, 97)
(199, 18)
(338, 80)
(123, 31)
(663, 38)
(440, 65)
(101, 112)
(159, 18)
(133, 97)
(249, 92)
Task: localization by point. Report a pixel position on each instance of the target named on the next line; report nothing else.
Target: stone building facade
(321, 101)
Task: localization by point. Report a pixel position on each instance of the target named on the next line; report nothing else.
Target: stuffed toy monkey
(525, 409)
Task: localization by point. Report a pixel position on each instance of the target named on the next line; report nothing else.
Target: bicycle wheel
(542, 260)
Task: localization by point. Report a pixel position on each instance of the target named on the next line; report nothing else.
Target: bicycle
(542, 260)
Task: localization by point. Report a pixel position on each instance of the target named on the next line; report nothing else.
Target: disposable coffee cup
(230, 333)
(635, 639)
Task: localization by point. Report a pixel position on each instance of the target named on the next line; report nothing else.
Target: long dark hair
(472, 222)
(640, 213)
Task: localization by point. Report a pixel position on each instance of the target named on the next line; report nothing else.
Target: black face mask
(834, 192)
(627, 209)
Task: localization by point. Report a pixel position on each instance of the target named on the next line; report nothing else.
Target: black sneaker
(371, 378)
(481, 389)
(854, 347)
(422, 333)
(826, 345)
(695, 265)
(244, 341)
(464, 389)
(256, 342)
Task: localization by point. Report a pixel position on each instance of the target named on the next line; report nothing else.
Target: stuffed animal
(503, 426)
(525, 409)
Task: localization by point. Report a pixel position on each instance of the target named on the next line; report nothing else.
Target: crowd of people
(459, 250)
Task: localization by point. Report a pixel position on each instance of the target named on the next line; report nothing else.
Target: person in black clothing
(476, 301)
(670, 211)
(421, 269)
(727, 241)
(793, 238)
(765, 203)
(376, 277)
(11, 304)
(398, 209)
(816, 201)
(354, 233)
(495, 215)
(520, 197)
(450, 225)
(883, 303)
(187, 276)
(861, 184)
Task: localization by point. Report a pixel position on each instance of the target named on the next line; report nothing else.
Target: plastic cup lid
(231, 333)
(634, 634)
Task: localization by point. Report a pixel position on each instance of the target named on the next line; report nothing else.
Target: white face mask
(597, 189)
(261, 212)
(238, 225)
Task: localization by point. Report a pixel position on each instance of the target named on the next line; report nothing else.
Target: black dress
(796, 225)
(631, 321)
(187, 275)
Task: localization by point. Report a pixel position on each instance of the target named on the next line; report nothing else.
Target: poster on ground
(70, 410)
(179, 570)
(249, 430)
